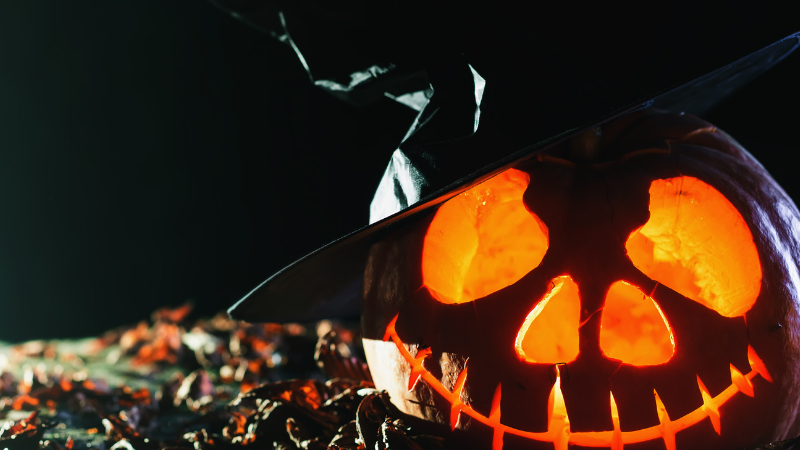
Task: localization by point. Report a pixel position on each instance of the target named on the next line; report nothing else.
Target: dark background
(156, 152)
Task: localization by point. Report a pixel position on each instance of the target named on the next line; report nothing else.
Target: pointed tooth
(742, 382)
(757, 364)
(555, 405)
(455, 413)
(614, 411)
(556, 408)
(616, 436)
(667, 433)
(558, 425)
(416, 367)
(494, 417)
(561, 441)
(497, 439)
(709, 407)
(455, 409)
(551, 401)
(413, 378)
(616, 440)
(390, 329)
(494, 413)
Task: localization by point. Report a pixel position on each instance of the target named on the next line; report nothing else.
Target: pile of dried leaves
(208, 385)
(214, 384)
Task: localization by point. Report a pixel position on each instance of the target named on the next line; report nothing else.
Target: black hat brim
(327, 282)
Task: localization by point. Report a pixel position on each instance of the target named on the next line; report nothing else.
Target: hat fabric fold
(488, 111)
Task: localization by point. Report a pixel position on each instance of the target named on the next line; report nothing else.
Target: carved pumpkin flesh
(646, 298)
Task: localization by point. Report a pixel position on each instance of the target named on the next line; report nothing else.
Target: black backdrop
(155, 152)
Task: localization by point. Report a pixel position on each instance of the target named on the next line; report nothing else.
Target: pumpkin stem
(583, 148)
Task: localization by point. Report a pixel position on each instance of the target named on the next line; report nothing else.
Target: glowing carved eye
(698, 244)
(633, 329)
(482, 241)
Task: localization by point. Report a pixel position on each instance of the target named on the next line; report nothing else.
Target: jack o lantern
(628, 289)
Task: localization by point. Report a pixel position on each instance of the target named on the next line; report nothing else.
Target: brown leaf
(236, 426)
(118, 429)
(337, 365)
(393, 437)
(301, 437)
(372, 412)
(196, 390)
(304, 393)
(25, 402)
(24, 434)
(176, 315)
(167, 392)
(346, 438)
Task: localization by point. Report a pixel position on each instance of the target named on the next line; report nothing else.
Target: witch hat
(495, 84)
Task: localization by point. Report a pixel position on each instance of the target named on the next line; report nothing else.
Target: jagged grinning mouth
(558, 431)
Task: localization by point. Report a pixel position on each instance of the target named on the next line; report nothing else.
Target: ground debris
(172, 382)
(334, 358)
(209, 385)
(340, 414)
(24, 434)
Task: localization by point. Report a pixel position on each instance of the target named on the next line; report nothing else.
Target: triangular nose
(550, 331)
(633, 329)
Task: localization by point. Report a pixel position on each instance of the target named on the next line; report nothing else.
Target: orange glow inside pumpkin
(698, 244)
(482, 240)
(633, 328)
(558, 431)
(550, 332)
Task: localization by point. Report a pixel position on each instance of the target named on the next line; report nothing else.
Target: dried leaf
(372, 412)
(331, 358)
(196, 390)
(176, 315)
(391, 436)
(346, 438)
(301, 437)
(24, 434)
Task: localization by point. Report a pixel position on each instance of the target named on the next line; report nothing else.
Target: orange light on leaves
(633, 328)
(550, 332)
(699, 245)
(482, 240)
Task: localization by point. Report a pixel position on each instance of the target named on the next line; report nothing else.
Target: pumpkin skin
(458, 363)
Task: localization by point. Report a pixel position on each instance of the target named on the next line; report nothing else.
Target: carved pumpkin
(641, 296)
